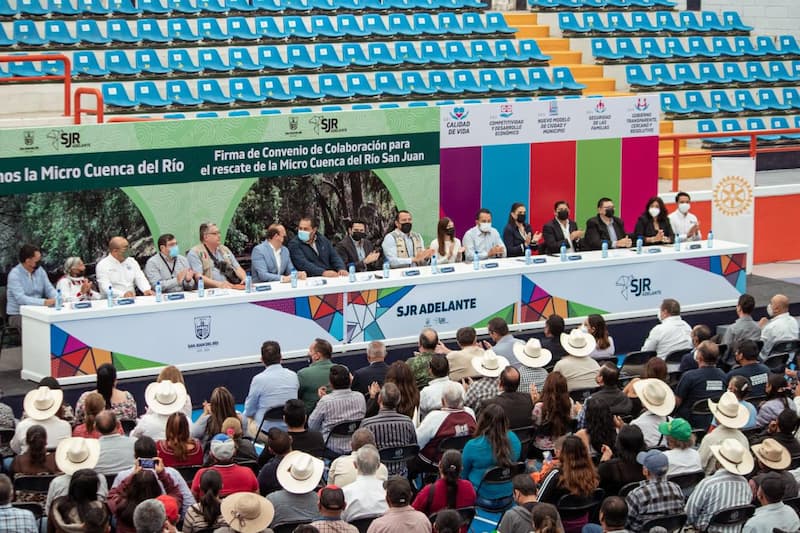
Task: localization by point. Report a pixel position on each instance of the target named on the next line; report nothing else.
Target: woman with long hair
(600, 427)
(36, 460)
(121, 402)
(653, 225)
(545, 519)
(778, 394)
(220, 406)
(518, 235)
(142, 485)
(492, 445)
(79, 509)
(172, 373)
(618, 466)
(575, 474)
(447, 492)
(447, 246)
(92, 406)
(205, 514)
(553, 411)
(401, 375)
(179, 448)
(595, 325)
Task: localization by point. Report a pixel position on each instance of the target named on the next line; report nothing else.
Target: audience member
(780, 326)
(612, 516)
(618, 465)
(116, 451)
(430, 398)
(80, 510)
(171, 508)
(744, 329)
(553, 411)
(40, 408)
(772, 514)
(144, 484)
(73, 454)
(391, 429)
(316, 374)
(503, 341)
(609, 392)
(554, 327)
(36, 459)
(7, 422)
(772, 457)
(460, 361)
(776, 401)
(451, 420)
(784, 430)
(120, 402)
(299, 475)
(545, 519)
(449, 491)
(245, 448)
(178, 447)
(343, 470)
(518, 518)
(219, 407)
(654, 368)
(746, 355)
(656, 497)
(517, 405)
(331, 505)
(271, 388)
(600, 429)
(484, 388)
(595, 325)
(163, 398)
(672, 333)
(303, 440)
(401, 375)
(706, 382)
(247, 513)
(576, 476)
(341, 405)
(428, 345)
(682, 455)
(173, 374)
(550, 461)
(235, 478)
(374, 372)
(658, 402)
(279, 444)
(731, 416)
(400, 517)
(740, 387)
(93, 406)
(700, 333)
(365, 495)
(449, 521)
(149, 516)
(532, 362)
(576, 366)
(206, 513)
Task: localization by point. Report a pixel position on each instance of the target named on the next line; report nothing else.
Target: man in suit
(605, 227)
(270, 259)
(561, 230)
(375, 372)
(314, 253)
(357, 249)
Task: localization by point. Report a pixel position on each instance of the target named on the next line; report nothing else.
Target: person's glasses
(213, 233)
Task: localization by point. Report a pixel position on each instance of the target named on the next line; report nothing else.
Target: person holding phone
(148, 477)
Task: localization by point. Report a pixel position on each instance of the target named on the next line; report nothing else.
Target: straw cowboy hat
(578, 343)
(300, 472)
(246, 512)
(76, 453)
(655, 395)
(773, 454)
(489, 364)
(42, 403)
(733, 457)
(165, 397)
(532, 354)
(729, 412)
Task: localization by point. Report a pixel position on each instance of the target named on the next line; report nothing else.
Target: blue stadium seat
(327, 55)
(296, 27)
(381, 54)
(618, 24)
(464, 79)
(241, 6)
(398, 24)
(207, 114)
(298, 56)
(270, 58)
(671, 105)
(240, 60)
(789, 46)
(779, 73)
(147, 61)
(242, 91)
(432, 53)
(329, 6)
(414, 82)
(267, 27)
(239, 29)
(492, 81)
(733, 22)
(270, 111)
(211, 93)
(148, 31)
(33, 8)
(359, 85)
(482, 51)
(7, 10)
(603, 53)
(642, 22)
(377, 5)
(765, 44)
(709, 126)
(529, 49)
(179, 30)
(505, 48)
(450, 22)
(652, 49)
(180, 61)
(755, 73)
(5, 41)
(387, 84)
(637, 78)
(181, 94)
(569, 25)
(348, 24)
(674, 46)
(791, 96)
(62, 8)
(240, 113)
(147, 94)
(723, 47)
(710, 75)
(115, 95)
(745, 45)
(720, 100)
(781, 123)
(25, 32)
(52, 67)
(698, 47)
(323, 25)
(272, 6)
(355, 55)
(183, 7)
(733, 74)
(495, 23)
(425, 23)
(709, 20)
(408, 53)
(756, 124)
(219, 7)
(685, 75)
(456, 51)
(732, 125)
(153, 7)
(517, 81)
(86, 64)
(401, 5)
(540, 79)
(331, 86)
(210, 61)
(689, 21)
(118, 64)
(563, 76)
(300, 6)
(440, 82)
(24, 69)
(666, 22)
(746, 100)
(119, 32)
(374, 24)
(124, 7)
(768, 98)
(210, 30)
(301, 87)
(272, 89)
(94, 7)
(390, 105)
(664, 76)
(696, 102)
(56, 32)
(627, 48)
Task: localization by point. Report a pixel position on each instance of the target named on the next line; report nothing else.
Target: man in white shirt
(773, 514)
(673, 333)
(430, 397)
(365, 496)
(684, 224)
(780, 327)
(483, 240)
(121, 272)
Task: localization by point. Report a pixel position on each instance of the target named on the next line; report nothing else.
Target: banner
(732, 200)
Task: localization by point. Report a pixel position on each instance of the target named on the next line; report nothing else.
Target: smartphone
(149, 464)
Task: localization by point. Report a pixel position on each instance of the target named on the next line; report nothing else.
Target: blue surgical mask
(174, 251)
(303, 235)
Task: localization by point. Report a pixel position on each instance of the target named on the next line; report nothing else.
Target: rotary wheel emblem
(733, 196)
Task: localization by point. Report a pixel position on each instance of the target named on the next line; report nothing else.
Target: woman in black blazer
(518, 235)
(654, 225)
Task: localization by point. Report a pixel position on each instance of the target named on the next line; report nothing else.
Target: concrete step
(532, 31)
(565, 57)
(595, 85)
(550, 44)
(516, 19)
(584, 71)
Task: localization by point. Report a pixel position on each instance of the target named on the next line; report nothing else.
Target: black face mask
(37, 265)
(521, 218)
(450, 231)
(405, 227)
(609, 212)
(562, 214)
(358, 235)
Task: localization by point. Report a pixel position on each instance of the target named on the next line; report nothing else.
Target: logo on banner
(506, 110)
(458, 123)
(202, 327)
(641, 104)
(29, 141)
(733, 195)
(326, 125)
(553, 109)
(459, 113)
(294, 127)
(65, 139)
(636, 287)
(503, 124)
(600, 107)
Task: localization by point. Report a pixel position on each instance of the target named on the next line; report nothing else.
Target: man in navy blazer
(314, 253)
(357, 249)
(271, 260)
(561, 230)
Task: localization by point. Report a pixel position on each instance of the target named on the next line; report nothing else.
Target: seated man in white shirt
(673, 333)
(365, 496)
(684, 224)
(483, 240)
(121, 272)
(781, 326)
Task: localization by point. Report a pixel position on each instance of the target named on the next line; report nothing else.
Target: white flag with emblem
(732, 200)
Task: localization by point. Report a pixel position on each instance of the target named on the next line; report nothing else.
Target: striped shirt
(713, 494)
(391, 429)
(341, 405)
(654, 498)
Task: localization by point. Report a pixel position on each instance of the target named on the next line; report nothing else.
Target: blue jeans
(592, 528)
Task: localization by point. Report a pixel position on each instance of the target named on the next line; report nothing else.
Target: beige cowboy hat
(299, 472)
(489, 364)
(165, 397)
(729, 412)
(773, 454)
(246, 512)
(733, 457)
(76, 453)
(532, 354)
(578, 343)
(655, 395)
(42, 403)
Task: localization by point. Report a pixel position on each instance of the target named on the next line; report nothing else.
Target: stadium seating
(661, 22)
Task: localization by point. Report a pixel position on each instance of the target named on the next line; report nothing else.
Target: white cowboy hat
(165, 397)
(655, 395)
(489, 364)
(729, 412)
(773, 454)
(300, 472)
(42, 403)
(246, 512)
(578, 343)
(76, 453)
(733, 457)
(532, 354)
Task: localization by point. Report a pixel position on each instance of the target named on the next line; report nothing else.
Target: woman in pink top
(179, 448)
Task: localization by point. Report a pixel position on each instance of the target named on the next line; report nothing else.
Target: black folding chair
(627, 488)
(672, 523)
(731, 516)
(362, 524)
(396, 458)
(525, 436)
(274, 414)
(39, 483)
(187, 473)
(580, 395)
(777, 363)
(34, 507)
(498, 475)
(6, 330)
(571, 507)
(127, 425)
(453, 443)
(700, 414)
(634, 362)
(790, 347)
(344, 429)
(467, 515)
(794, 503)
(289, 526)
(687, 481)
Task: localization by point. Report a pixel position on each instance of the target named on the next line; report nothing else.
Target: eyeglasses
(213, 233)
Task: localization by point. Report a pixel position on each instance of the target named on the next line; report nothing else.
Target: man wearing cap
(517, 405)
(682, 457)
(460, 361)
(773, 514)
(340, 405)
(452, 419)
(366, 495)
(299, 474)
(245, 512)
(40, 406)
(400, 517)
(503, 341)
(271, 388)
(163, 398)
(430, 397)
(772, 458)
(235, 478)
(532, 360)
(73, 454)
(658, 401)
(577, 367)
(488, 366)
(726, 488)
(706, 382)
(731, 416)
(391, 429)
(746, 354)
(780, 326)
(655, 497)
(331, 505)
(116, 451)
(672, 333)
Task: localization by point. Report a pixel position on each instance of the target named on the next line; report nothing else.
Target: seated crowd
(545, 430)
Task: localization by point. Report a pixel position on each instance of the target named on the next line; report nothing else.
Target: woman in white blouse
(74, 285)
(447, 246)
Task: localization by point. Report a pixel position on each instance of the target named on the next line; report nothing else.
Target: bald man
(781, 326)
(120, 271)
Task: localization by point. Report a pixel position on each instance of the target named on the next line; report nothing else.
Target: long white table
(227, 327)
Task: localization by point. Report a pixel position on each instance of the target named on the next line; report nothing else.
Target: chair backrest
(188, 473)
(686, 481)
(732, 515)
(362, 524)
(398, 454)
(628, 488)
(571, 506)
(36, 483)
(500, 474)
(288, 527)
(671, 523)
(789, 347)
(453, 443)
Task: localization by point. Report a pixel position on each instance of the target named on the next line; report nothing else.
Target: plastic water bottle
(639, 244)
(710, 239)
(248, 283)
(201, 288)
(386, 269)
(528, 259)
(59, 300)
(434, 264)
(563, 252)
(476, 261)
(677, 243)
(293, 278)
(351, 272)
(110, 296)
(158, 291)
(604, 250)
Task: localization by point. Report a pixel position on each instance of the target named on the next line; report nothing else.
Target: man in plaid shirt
(11, 518)
(655, 497)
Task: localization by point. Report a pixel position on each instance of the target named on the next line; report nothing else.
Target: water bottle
(563, 252)
(434, 264)
(639, 244)
(710, 239)
(528, 259)
(158, 291)
(677, 243)
(476, 261)
(110, 296)
(201, 287)
(604, 250)
(351, 272)
(293, 278)
(59, 300)
(248, 283)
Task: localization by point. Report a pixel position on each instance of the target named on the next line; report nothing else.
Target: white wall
(768, 17)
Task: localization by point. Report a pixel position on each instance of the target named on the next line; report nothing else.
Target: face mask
(37, 265)
(405, 227)
(654, 211)
(609, 212)
(303, 235)
(358, 235)
(174, 251)
(450, 232)
(658, 315)
(584, 329)
(521, 218)
(683, 208)
(562, 214)
(485, 226)
(770, 312)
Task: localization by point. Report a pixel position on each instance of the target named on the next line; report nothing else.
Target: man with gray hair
(343, 469)
(151, 517)
(213, 260)
(390, 428)
(430, 397)
(11, 518)
(452, 420)
(375, 372)
(366, 495)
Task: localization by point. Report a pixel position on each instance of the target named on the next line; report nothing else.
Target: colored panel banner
(505, 180)
(552, 179)
(460, 186)
(639, 163)
(598, 171)
(732, 199)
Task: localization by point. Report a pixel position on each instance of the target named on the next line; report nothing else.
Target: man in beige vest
(461, 360)
(403, 247)
(213, 259)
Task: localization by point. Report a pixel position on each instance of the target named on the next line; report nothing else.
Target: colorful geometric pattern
(326, 310)
(731, 267)
(538, 304)
(70, 356)
(508, 313)
(364, 308)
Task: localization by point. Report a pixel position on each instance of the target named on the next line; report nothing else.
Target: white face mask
(683, 208)
(770, 312)
(485, 226)
(654, 211)
(584, 329)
